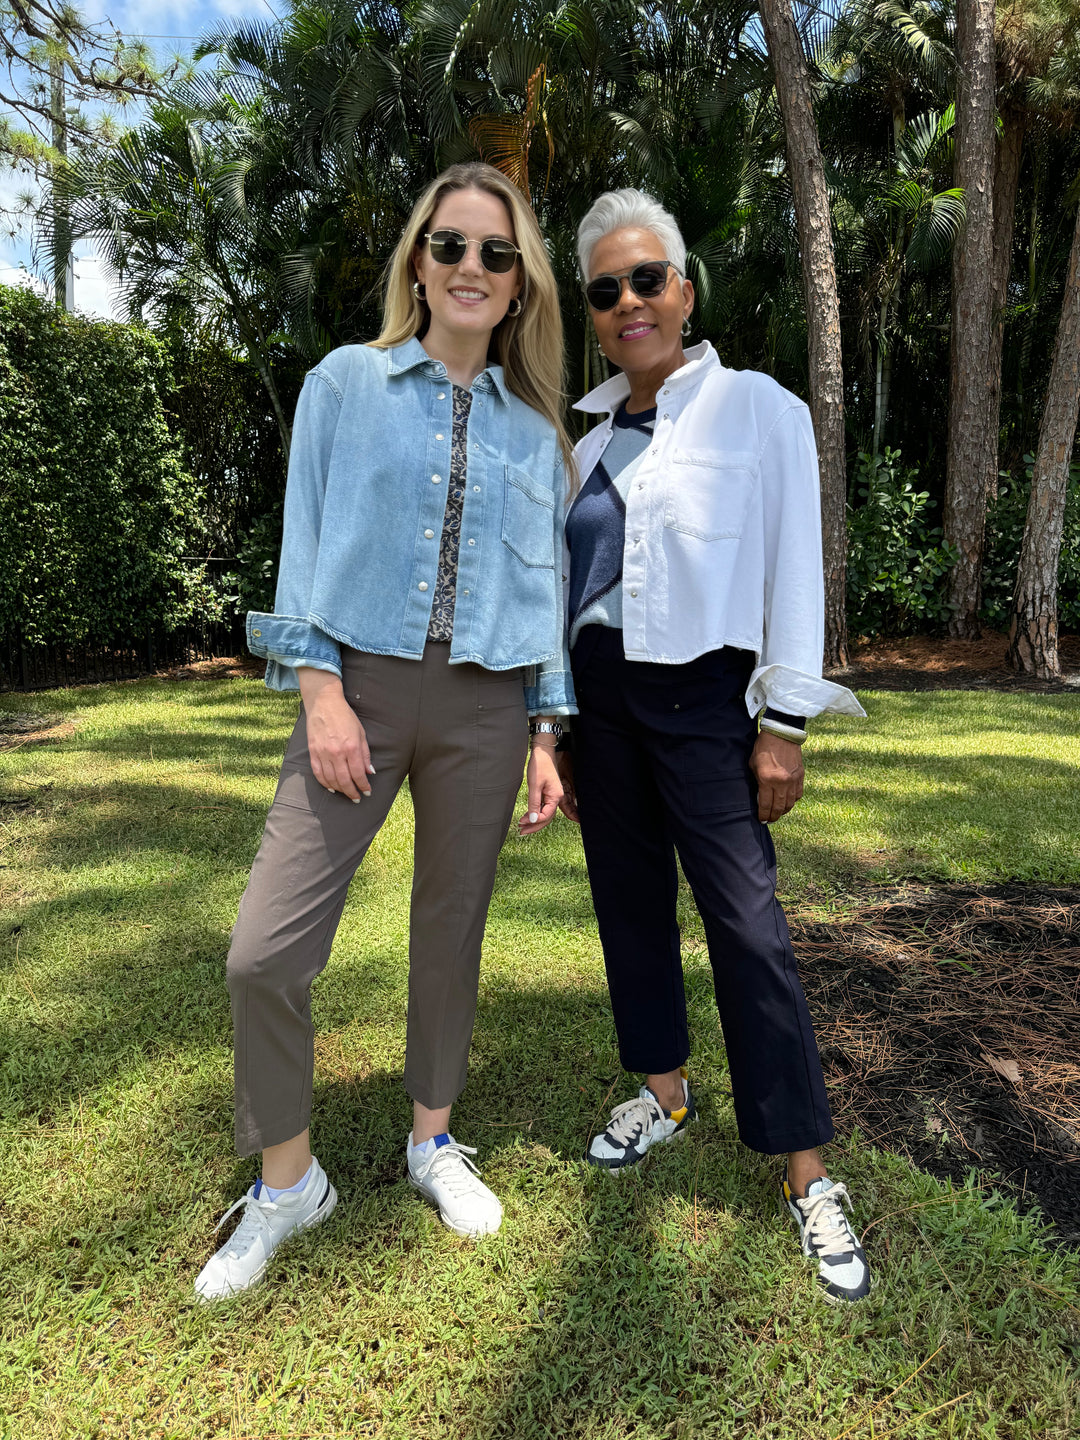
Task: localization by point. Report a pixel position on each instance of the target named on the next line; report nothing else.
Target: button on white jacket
(723, 531)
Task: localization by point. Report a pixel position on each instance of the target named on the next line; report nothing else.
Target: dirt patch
(29, 727)
(947, 1019)
(923, 662)
(220, 667)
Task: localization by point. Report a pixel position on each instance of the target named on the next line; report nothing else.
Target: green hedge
(96, 509)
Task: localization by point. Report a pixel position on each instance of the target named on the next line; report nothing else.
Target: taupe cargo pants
(459, 733)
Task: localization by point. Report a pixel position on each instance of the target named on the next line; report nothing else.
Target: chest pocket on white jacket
(708, 493)
(528, 527)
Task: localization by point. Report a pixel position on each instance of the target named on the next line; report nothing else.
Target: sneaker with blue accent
(448, 1180)
(827, 1237)
(241, 1262)
(636, 1126)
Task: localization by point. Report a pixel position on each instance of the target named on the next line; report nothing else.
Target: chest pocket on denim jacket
(708, 493)
(528, 527)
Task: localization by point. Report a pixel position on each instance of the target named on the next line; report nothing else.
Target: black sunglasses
(649, 279)
(449, 247)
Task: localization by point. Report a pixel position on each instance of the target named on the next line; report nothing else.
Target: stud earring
(420, 291)
(515, 308)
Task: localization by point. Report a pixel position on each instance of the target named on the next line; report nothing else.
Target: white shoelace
(450, 1164)
(631, 1118)
(255, 1223)
(826, 1223)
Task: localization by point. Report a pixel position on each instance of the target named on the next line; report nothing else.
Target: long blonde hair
(529, 346)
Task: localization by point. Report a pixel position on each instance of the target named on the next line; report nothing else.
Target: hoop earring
(420, 291)
(686, 325)
(515, 308)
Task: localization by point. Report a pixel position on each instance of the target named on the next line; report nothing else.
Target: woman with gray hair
(696, 623)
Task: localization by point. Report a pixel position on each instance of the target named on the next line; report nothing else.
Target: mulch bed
(923, 662)
(948, 1019)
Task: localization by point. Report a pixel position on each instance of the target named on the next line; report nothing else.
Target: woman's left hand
(778, 768)
(545, 790)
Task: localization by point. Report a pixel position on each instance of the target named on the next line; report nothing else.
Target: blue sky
(171, 27)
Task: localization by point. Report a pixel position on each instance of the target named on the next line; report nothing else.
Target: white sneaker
(636, 1126)
(448, 1179)
(241, 1261)
(826, 1236)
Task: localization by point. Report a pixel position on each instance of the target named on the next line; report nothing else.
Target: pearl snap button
(422, 585)
(633, 594)
(436, 479)
(439, 437)
(476, 489)
(441, 395)
(472, 542)
(429, 534)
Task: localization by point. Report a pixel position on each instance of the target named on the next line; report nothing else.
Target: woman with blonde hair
(419, 613)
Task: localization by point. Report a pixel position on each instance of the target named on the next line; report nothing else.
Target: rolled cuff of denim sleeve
(797, 693)
(550, 692)
(288, 642)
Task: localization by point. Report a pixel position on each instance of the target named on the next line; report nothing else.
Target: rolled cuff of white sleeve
(796, 693)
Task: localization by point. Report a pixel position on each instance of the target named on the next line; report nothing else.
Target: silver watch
(546, 727)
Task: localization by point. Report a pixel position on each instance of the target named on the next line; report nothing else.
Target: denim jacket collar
(401, 359)
(607, 397)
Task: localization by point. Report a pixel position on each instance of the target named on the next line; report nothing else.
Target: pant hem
(254, 1141)
(784, 1144)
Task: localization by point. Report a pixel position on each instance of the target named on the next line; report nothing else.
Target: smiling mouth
(635, 331)
(468, 295)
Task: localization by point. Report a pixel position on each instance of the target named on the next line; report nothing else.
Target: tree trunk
(972, 450)
(1033, 630)
(1006, 183)
(822, 306)
(63, 265)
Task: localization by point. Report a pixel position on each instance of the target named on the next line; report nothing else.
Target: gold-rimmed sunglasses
(449, 247)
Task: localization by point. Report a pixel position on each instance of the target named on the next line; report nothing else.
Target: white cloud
(13, 273)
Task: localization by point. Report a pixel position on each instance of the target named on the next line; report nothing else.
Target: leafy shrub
(219, 408)
(897, 559)
(1005, 521)
(96, 510)
(253, 582)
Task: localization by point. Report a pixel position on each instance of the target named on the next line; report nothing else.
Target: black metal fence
(51, 667)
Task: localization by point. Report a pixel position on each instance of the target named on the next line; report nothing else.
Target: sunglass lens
(603, 294)
(498, 256)
(648, 280)
(447, 247)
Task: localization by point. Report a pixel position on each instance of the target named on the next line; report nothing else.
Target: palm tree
(195, 210)
(1033, 629)
(1038, 69)
(807, 176)
(970, 442)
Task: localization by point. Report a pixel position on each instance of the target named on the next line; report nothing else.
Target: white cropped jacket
(723, 531)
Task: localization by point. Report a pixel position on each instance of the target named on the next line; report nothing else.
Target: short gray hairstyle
(617, 209)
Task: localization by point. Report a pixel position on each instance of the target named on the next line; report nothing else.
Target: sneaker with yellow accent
(636, 1126)
(827, 1237)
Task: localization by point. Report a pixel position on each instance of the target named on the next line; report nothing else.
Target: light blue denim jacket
(364, 507)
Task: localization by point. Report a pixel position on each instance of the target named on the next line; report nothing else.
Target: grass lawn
(671, 1303)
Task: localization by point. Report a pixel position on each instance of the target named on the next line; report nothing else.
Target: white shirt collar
(607, 397)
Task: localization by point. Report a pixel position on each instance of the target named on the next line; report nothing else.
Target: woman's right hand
(568, 804)
(337, 745)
